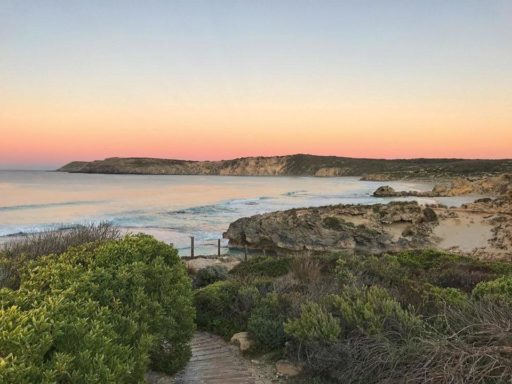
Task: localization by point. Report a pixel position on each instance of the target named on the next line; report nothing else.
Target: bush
(14, 254)
(215, 306)
(499, 290)
(263, 266)
(371, 311)
(209, 275)
(335, 223)
(315, 324)
(409, 274)
(446, 296)
(266, 323)
(306, 269)
(100, 314)
(64, 340)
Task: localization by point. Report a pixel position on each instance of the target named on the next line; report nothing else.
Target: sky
(218, 79)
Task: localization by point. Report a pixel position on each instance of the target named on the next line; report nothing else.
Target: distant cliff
(296, 165)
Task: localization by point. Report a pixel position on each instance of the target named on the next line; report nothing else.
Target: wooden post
(218, 247)
(191, 246)
(245, 253)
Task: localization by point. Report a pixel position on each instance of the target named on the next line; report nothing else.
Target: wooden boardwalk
(215, 362)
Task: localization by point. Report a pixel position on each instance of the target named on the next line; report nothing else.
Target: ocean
(172, 208)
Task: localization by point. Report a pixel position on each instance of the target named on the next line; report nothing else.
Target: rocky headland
(298, 165)
(482, 228)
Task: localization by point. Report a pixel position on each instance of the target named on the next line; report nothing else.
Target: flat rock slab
(215, 362)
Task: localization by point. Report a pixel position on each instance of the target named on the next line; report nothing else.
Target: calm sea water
(172, 208)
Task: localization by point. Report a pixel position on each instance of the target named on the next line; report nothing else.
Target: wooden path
(215, 362)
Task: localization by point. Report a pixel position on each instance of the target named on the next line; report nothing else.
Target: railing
(218, 247)
(192, 246)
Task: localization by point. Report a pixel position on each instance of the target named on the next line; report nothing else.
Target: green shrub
(266, 323)
(335, 223)
(210, 275)
(315, 324)
(111, 309)
(437, 299)
(371, 311)
(16, 253)
(215, 306)
(263, 284)
(246, 299)
(499, 290)
(263, 266)
(409, 274)
(446, 296)
(60, 339)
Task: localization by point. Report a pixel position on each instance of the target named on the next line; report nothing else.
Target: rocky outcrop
(355, 228)
(296, 165)
(482, 229)
(387, 191)
(493, 185)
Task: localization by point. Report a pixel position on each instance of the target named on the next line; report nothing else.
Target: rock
(288, 369)
(494, 185)
(242, 340)
(384, 191)
(379, 228)
(331, 172)
(387, 191)
(429, 215)
(355, 228)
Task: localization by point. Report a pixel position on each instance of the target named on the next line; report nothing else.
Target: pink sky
(52, 135)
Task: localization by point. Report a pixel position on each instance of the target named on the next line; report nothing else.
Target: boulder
(288, 369)
(242, 340)
(384, 191)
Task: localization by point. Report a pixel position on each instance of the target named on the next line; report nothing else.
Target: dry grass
(475, 347)
(306, 269)
(17, 252)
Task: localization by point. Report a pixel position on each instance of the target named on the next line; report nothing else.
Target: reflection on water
(171, 207)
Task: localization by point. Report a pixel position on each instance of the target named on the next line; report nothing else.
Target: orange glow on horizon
(55, 134)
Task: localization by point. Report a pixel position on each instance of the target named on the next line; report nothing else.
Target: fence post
(218, 247)
(245, 253)
(191, 246)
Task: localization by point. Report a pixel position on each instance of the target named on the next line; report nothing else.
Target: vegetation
(87, 306)
(216, 312)
(209, 275)
(266, 322)
(14, 254)
(263, 266)
(97, 313)
(419, 316)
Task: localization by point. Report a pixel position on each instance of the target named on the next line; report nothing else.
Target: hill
(297, 165)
